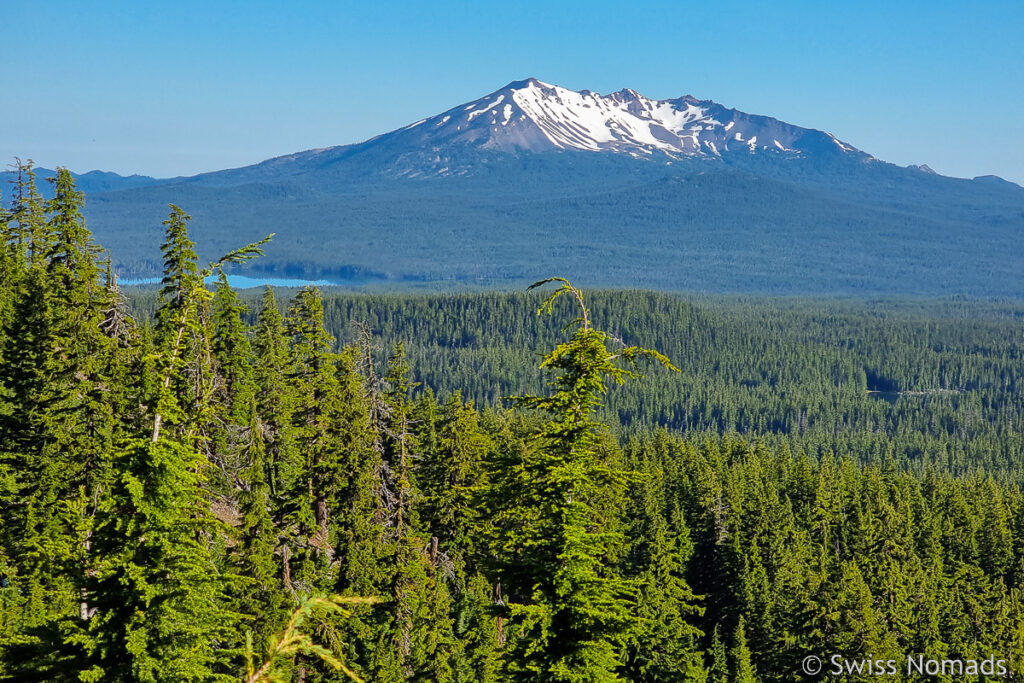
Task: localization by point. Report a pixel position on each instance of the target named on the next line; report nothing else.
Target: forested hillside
(790, 228)
(914, 382)
(200, 486)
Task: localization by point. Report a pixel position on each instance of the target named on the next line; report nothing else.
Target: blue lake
(239, 282)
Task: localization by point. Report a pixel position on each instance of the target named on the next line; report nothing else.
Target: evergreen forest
(560, 486)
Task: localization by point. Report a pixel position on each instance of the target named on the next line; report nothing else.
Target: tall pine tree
(572, 609)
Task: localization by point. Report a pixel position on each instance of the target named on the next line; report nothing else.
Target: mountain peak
(526, 83)
(562, 175)
(531, 115)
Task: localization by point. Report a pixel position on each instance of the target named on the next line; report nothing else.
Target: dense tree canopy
(221, 487)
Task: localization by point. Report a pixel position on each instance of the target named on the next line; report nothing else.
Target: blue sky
(168, 88)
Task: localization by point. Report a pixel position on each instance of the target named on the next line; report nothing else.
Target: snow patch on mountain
(534, 116)
(531, 116)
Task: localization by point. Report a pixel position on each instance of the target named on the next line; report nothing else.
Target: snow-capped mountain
(612, 190)
(534, 116)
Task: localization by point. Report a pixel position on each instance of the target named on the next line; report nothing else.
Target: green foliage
(293, 640)
(28, 216)
(181, 272)
(275, 398)
(159, 599)
(314, 380)
(176, 493)
(916, 383)
(572, 608)
(666, 645)
(263, 596)
(719, 660)
(743, 670)
(57, 424)
(451, 476)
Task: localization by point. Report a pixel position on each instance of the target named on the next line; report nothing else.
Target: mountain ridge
(524, 116)
(698, 132)
(614, 190)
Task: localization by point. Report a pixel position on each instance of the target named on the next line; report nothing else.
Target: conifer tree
(181, 271)
(573, 610)
(10, 269)
(159, 599)
(234, 388)
(859, 631)
(181, 330)
(69, 251)
(232, 350)
(79, 418)
(22, 470)
(742, 669)
(6, 238)
(362, 503)
(996, 537)
(719, 672)
(59, 428)
(450, 477)
(274, 399)
(28, 219)
(314, 382)
(419, 642)
(262, 596)
(156, 598)
(478, 633)
(665, 645)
